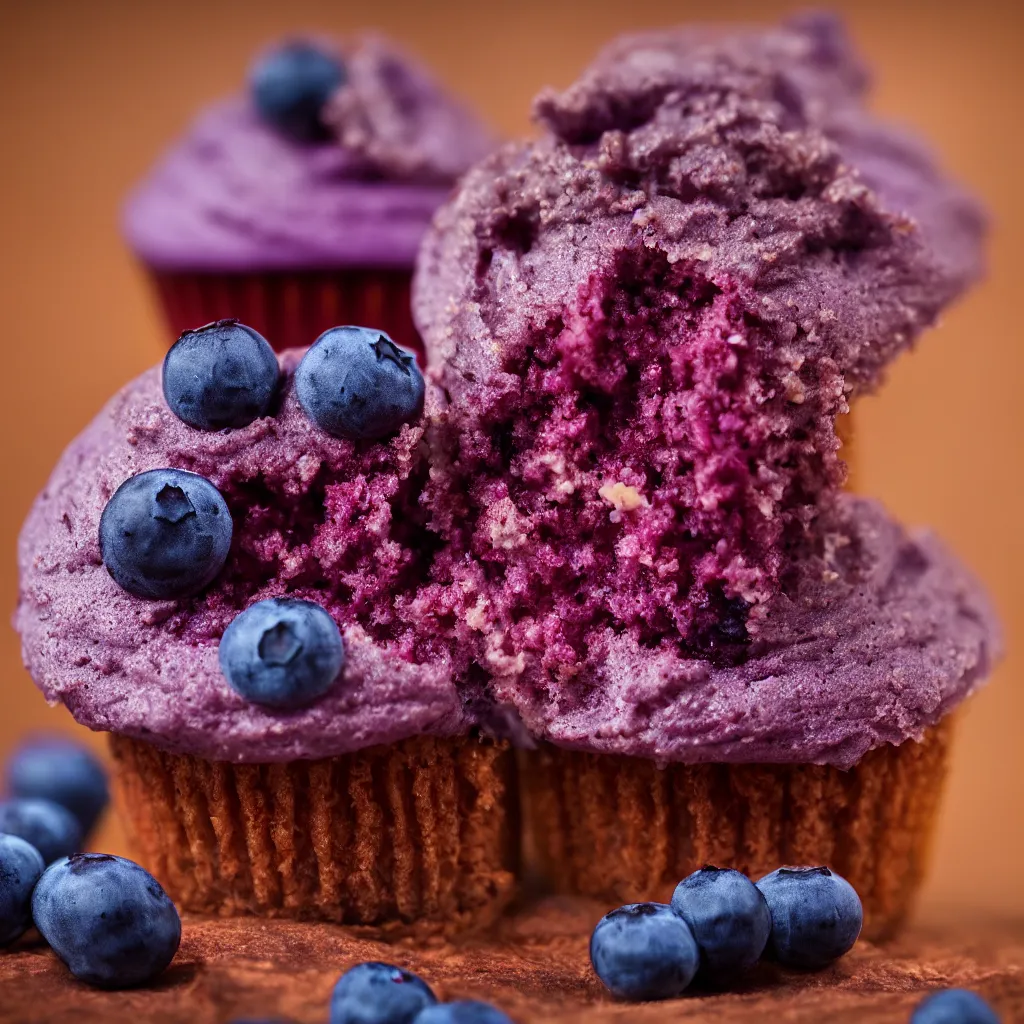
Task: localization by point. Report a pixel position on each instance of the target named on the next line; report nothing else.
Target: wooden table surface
(536, 969)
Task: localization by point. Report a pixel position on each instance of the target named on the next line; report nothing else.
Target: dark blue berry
(464, 1011)
(165, 534)
(375, 993)
(816, 916)
(65, 772)
(290, 86)
(282, 652)
(728, 916)
(21, 864)
(644, 951)
(107, 918)
(221, 375)
(53, 830)
(357, 383)
(954, 1006)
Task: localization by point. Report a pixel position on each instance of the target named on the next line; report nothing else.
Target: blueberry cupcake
(230, 572)
(649, 322)
(300, 205)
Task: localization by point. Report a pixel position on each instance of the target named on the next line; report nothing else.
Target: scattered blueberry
(375, 993)
(21, 864)
(464, 1011)
(282, 652)
(728, 916)
(107, 919)
(290, 86)
(221, 375)
(357, 383)
(53, 768)
(644, 951)
(816, 915)
(53, 830)
(165, 534)
(954, 1006)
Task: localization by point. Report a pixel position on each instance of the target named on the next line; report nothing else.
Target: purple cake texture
(647, 322)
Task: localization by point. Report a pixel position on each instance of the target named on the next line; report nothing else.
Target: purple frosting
(236, 195)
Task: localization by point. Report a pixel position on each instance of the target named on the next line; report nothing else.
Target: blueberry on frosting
(282, 652)
(165, 534)
(290, 86)
(221, 375)
(357, 383)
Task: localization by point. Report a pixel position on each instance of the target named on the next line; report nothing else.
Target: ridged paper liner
(291, 309)
(420, 831)
(622, 830)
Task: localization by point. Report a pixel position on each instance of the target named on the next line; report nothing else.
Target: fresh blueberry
(21, 864)
(464, 1011)
(52, 768)
(357, 383)
(954, 1006)
(221, 375)
(728, 917)
(165, 534)
(375, 993)
(816, 916)
(644, 951)
(107, 918)
(290, 86)
(53, 830)
(282, 652)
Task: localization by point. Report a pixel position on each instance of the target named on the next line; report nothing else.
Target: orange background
(92, 91)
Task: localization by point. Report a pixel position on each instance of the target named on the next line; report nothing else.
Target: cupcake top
(318, 518)
(335, 157)
(649, 319)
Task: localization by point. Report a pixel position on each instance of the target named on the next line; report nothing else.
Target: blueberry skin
(282, 652)
(52, 768)
(219, 376)
(53, 830)
(954, 1006)
(376, 993)
(644, 951)
(728, 916)
(165, 534)
(107, 918)
(358, 384)
(464, 1011)
(291, 84)
(816, 916)
(21, 864)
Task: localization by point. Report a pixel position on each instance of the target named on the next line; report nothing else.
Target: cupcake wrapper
(621, 830)
(291, 309)
(420, 831)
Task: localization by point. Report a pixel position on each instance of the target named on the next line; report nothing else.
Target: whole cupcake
(230, 572)
(648, 323)
(300, 204)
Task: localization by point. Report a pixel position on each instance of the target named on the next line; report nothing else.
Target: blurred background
(93, 91)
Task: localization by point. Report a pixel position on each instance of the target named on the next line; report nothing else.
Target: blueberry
(464, 1011)
(282, 652)
(954, 1006)
(21, 864)
(165, 534)
(290, 86)
(357, 383)
(728, 917)
(644, 951)
(375, 993)
(816, 916)
(221, 375)
(107, 918)
(53, 830)
(65, 772)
